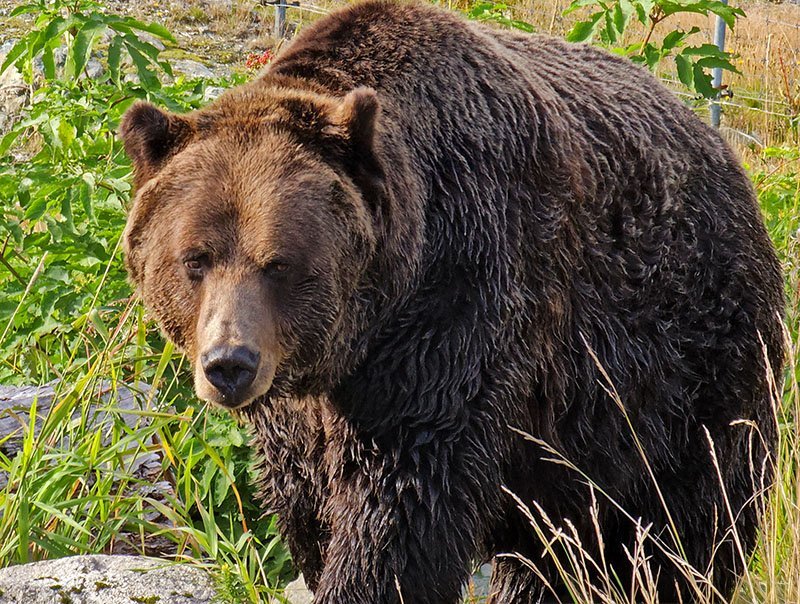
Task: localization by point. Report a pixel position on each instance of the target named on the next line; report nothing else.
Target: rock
(193, 69)
(297, 592)
(60, 56)
(16, 402)
(151, 39)
(15, 409)
(105, 580)
(94, 69)
(211, 93)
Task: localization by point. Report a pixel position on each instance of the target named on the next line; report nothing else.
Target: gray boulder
(105, 403)
(193, 69)
(105, 580)
(16, 403)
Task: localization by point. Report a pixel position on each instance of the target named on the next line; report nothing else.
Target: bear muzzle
(235, 350)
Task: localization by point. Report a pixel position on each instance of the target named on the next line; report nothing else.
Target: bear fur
(481, 270)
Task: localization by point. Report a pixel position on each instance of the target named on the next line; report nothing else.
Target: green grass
(73, 487)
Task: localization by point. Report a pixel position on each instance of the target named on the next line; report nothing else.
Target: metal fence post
(716, 72)
(280, 19)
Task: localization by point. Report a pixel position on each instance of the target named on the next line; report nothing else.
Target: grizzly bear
(462, 282)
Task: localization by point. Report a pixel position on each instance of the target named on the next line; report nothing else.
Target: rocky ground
(212, 32)
(105, 580)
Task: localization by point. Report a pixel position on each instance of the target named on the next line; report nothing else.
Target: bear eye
(196, 265)
(276, 268)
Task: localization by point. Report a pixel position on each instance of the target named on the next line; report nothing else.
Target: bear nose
(231, 370)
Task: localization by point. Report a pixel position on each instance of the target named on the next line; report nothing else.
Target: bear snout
(231, 370)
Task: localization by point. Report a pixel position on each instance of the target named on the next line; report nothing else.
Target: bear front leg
(405, 523)
(290, 442)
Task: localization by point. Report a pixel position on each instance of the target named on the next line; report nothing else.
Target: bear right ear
(151, 136)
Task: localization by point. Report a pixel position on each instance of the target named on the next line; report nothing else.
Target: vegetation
(68, 315)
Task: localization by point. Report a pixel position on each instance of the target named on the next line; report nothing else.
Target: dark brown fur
(472, 221)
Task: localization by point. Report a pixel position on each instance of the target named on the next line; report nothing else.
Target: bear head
(252, 230)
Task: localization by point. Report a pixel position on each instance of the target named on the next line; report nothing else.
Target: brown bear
(452, 275)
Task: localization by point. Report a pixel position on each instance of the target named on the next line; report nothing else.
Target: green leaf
(685, 75)
(235, 437)
(8, 140)
(48, 63)
(719, 62)
(56, 28)
(25, 9)
(99, 325)
(85, 196)
(479, 9)
(66, 133)
(704, 50)
(675, 38)
(609, 33)
(223, 483)
(52, 134)
(702, 82)
(708, 55)
(622, 14)
(702, 7)
(37, 207)
(577, 4)
(727, 13)
(15, 53)
(652, 55)
(583, 31)
(643, 9)
(36, 45)
(521, 25)
(114, 52)
(147, 50)
(82, 47)
(156, 29)
(146, 75)
(66, 210)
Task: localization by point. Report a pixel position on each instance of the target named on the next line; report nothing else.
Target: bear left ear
(151, 136)
(354, 121)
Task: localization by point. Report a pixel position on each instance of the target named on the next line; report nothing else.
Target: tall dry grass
(773, 570)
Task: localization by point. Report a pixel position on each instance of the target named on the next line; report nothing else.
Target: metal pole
(280, 19)
(716, 72)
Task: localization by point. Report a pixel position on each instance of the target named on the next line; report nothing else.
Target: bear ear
(355, 118)
(151, 136)
(354, 121)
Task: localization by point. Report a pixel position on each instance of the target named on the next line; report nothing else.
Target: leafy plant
(779, 195)
(76, 27)
(497, 12)
(610, 24)
(64, 181)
